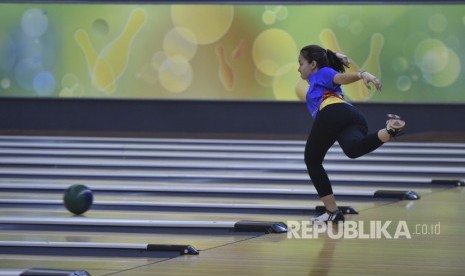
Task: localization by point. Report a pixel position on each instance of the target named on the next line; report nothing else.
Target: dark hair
(322, 57)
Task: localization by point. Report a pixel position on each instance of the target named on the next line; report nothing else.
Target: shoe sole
(395, 122)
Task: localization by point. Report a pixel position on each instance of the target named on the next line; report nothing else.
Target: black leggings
(340, 122)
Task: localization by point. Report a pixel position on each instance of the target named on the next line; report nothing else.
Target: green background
(414, 49)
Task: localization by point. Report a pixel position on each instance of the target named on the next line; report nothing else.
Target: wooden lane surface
(423, 254)
(179, 140)
(278, 255)
(245, 165)
(186, 187)
(25, 139)
(141, 140)
(227, 202)
(96, 266)
(199, 241)
(224, 149)
(151, 215)
(414, 154)
(116, 186)
(356, 183)
(401, 176)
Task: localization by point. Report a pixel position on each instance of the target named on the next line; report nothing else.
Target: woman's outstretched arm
(347, 78)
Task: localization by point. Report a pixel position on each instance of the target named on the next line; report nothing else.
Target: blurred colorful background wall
(236, 54)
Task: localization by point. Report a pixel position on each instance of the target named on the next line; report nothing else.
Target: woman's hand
(369, 78)
(344, 59)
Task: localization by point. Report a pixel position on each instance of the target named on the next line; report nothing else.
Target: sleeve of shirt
(326, 77)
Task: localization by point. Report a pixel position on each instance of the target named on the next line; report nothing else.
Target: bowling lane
(96, 266)
(199, 241)
(416, 149)
(226, 215)
(332, 157)
(196, 141)
(401, 175)
(210, 187)
(68, 162)
(142, 140)
(139, 201)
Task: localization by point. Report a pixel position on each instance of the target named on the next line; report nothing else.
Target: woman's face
(306, 68)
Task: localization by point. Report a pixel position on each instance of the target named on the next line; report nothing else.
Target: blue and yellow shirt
(321, 83)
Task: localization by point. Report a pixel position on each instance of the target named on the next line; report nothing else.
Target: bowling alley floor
(177, 192)
(425, 253)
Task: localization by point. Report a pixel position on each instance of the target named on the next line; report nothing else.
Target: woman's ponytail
(334, 62)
